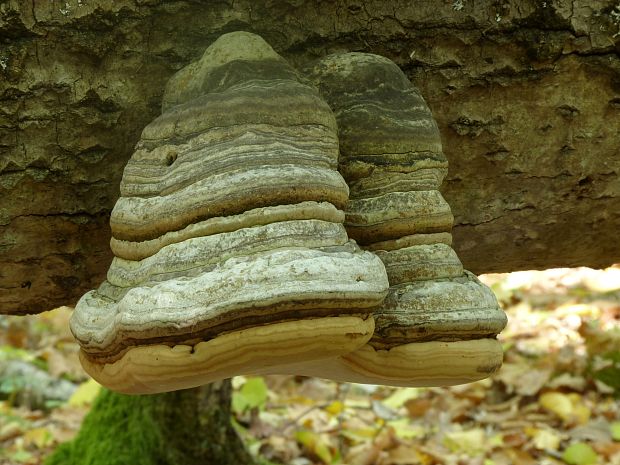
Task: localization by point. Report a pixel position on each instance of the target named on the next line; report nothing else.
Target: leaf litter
(555, 400)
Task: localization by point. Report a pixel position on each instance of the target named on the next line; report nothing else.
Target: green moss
(178, 428)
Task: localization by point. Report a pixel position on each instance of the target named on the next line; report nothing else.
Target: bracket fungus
(230, 252)
(438, 323)
(231, 235)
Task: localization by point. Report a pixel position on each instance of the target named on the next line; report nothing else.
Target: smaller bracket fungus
(438, 323)
(230, 252)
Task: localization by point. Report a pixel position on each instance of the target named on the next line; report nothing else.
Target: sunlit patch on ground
(555, 401)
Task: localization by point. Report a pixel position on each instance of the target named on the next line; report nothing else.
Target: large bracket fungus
(231, 236)
(438, 323)
(230, 252)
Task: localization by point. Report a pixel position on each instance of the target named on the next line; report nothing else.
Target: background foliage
(555, 401)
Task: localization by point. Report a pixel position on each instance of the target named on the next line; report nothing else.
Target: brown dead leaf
(523, 379)
(261, 425)
(65, 422)
(280, 449)
(456, 409)
(363, 454)
(515, 439)
(16, 335)
(32, 414)
(498, 416)
(10, 431)
(418, 407)
(567, 380)
(513, 456)
(63, 363)
(406, 455)
(607, 449)
(386, 439)
(473, 392)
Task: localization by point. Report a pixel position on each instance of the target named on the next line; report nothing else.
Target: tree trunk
(190, 427)
(526, 94)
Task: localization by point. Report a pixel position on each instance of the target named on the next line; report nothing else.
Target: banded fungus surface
(438, 324)
(231, 236)
(231, 256)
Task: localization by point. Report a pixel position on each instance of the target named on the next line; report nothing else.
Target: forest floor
(555, 400)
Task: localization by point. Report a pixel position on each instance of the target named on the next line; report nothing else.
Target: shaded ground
(555, 400)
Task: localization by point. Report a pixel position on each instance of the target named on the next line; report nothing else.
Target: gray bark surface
(526, 95)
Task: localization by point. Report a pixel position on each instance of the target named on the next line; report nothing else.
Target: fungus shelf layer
(231, 256)
(438, 324)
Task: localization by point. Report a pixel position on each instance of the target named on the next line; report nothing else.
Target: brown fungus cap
(438, 323)
(385, 126)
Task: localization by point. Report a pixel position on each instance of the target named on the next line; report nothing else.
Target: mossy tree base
(188, 427)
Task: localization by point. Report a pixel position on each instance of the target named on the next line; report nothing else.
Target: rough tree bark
(526, 94)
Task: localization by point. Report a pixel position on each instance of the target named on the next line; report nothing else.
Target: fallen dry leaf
(471, 442)
(569, 407)
(522, 379)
